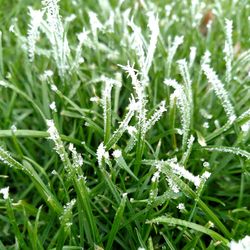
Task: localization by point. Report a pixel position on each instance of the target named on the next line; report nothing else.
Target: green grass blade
(232, 150)
(116, 223)
(48, 197)
(92, 232)
(18, 234)
(1, 55)
(199, 228)
(170, 245)
(36, 134)
(122, 164)
(25, 96)
(111, 185)
(119, 132)
(190, 193)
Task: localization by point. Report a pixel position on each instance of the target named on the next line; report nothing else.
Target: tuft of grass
(124, 124)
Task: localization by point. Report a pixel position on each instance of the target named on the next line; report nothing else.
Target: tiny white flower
(206, 164)
(181, 206)
(205, 125)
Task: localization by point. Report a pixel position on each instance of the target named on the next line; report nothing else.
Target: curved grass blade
(232, 150)
(190, 193)
(36, 134)
(170, 245)
(122, 164)
(48, 197)
(14, 224)
(20, 92)
(116, 223)
(199, 228)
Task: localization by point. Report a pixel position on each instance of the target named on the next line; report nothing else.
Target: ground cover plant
(124, 124)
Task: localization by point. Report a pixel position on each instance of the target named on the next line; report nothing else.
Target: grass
(130, 138)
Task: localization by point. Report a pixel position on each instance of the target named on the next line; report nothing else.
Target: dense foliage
(124, 124)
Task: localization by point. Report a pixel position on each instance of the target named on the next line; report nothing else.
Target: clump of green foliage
(124, 124)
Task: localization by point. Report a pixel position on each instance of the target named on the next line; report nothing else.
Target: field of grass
(124, 124)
